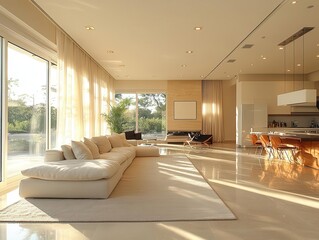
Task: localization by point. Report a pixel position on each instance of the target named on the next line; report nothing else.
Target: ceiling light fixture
(89, 28)
(183, 65)
(198, 28)
(189, 51)
(293, 2)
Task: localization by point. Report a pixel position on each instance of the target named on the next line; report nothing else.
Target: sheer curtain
(213, 109)
(85, 90)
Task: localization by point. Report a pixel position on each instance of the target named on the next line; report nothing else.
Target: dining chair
(265, 141)
(282, 148)
(257, 143)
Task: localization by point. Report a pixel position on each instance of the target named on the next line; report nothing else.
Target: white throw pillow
(67, 152)
(93, 148)
(117, 140)
(81, 151)
(102, 143)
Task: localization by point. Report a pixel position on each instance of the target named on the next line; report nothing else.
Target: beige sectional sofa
(88, 169)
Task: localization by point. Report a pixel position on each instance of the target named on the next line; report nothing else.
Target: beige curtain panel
(85, 91)
(213, 109)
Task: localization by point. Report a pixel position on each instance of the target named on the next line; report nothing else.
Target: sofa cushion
(118, 140)
(81, 151)
(102, 143)
(129, 152)
(54, 155)
(115, 156)
(67, 152)
(93, 148)
(74, 170)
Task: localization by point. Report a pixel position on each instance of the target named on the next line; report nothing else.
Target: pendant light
(303, 97)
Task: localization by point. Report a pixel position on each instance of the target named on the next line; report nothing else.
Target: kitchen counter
(308, 143)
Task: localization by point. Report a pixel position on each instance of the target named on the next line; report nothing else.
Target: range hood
(304, 97)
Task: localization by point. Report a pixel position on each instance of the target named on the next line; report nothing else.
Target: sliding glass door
(27, 109)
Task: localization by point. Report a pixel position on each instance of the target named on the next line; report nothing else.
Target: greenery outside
(151, 114)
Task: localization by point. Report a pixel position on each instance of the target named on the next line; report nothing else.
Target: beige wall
(178, 90)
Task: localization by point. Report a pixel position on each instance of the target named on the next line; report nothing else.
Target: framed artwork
(185, 110)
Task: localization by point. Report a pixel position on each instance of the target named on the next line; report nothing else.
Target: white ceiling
(149, 38)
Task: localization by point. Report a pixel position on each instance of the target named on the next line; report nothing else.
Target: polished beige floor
(272, 200)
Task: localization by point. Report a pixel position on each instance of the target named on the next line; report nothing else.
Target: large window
(146, 114)
(27, 109)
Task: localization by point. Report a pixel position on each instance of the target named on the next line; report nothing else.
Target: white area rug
(167, 188)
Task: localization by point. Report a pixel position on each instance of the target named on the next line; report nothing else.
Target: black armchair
(133, 135)
(197, 138)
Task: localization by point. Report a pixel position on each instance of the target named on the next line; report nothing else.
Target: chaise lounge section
(88, 169)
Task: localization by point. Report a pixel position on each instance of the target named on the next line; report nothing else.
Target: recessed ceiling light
(183, 65)
(109, 51)
(198, 28)
(189, 51)
(288, 70)
(89, 27)
(293, 2)
(298, 65)
(317, 56)
(281, 48)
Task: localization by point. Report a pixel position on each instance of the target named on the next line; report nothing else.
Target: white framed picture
(185, 110)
